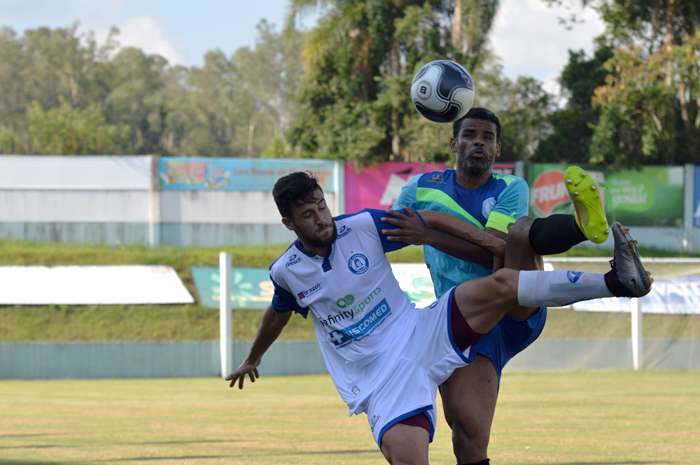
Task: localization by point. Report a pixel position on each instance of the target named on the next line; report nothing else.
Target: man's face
(313, 223)
(476, 146)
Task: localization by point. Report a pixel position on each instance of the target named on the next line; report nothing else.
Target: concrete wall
(202, 359)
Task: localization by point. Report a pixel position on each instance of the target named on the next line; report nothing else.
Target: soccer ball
(442, 91)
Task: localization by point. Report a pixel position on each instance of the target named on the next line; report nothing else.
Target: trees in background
(646, 107)
(651, 98)
(342, 89)
(360, 60)
(62, 93)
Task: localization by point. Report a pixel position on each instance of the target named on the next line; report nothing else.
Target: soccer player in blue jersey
(492, 203)
(385, 356)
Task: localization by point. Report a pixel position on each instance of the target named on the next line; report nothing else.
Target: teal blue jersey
(496, 204)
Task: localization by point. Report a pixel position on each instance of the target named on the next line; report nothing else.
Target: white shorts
(426, 362)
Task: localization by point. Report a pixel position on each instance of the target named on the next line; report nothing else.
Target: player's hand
(409, 227)
(499, 257)
(251, 369)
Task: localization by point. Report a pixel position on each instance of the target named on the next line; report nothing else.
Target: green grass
(575, 418)
(60, 323)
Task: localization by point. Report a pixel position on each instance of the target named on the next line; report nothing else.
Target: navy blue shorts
(510, 337)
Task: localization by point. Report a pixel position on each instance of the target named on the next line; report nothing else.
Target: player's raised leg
(484, 301)
(558, 233)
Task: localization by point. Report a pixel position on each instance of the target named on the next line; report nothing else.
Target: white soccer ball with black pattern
(442, 91)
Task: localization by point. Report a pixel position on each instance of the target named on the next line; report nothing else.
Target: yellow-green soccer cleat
(590, 214)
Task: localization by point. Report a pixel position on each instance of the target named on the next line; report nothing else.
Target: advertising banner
(677, 295)
(238, 174)
(652, 196)
(91, 285)
(378, 186)
(251, 288)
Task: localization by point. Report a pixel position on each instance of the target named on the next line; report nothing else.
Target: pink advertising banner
(379, 186)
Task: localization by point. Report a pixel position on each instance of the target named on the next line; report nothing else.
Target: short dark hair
(478, 113)
(294, 190)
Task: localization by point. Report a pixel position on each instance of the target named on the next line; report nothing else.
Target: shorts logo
(343, 231)
(361, 329)
(345, 301)
(358, 264)
(293, 260)
(309, 291)
(373, 421)
(574, 275)
(355, 390)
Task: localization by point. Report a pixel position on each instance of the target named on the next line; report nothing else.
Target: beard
(315, 241)
(475, 166)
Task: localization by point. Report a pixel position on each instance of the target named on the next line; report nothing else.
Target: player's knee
(519, 233)
(469, 440)
(505, 281)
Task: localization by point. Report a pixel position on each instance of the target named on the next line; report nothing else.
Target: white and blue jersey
(358, 310)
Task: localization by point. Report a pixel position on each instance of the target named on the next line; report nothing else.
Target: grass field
(62, 323)
(578, 418)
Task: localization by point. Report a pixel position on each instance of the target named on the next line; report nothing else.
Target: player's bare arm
(448, 234)
(271, 327)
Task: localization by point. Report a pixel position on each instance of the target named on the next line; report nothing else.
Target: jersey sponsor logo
(343, 231)
(487, 207)
(358, 263)
(345, 301)
(549, 194)
(312, 290)
(574, 276)
(293, 260)
(337, 317)
(435, 179)
(358, 331)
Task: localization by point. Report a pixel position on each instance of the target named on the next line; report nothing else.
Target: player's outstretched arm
(271, 327)
(446, 233)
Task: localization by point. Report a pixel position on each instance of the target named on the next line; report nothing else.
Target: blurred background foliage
(341, 89)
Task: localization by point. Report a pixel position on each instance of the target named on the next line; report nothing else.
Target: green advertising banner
(251, 288)
(652, 196)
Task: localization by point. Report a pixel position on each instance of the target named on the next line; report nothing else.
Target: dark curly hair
(294, 190)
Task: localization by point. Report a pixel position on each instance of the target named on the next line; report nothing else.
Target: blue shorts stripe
(403, 417)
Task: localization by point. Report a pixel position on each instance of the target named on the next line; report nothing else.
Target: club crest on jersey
(358, 264)
(293, 260)
(487, 207)
(343, 231)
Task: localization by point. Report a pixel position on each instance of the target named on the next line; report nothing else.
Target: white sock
(559, 288)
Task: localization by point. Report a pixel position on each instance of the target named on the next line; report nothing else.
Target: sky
(526, 34)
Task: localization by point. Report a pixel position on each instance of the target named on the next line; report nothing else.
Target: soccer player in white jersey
(385, 356)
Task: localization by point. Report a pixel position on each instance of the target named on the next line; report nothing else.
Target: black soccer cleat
(627, 265)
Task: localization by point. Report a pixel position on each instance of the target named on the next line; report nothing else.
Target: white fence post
(154, 204)
(226, 328)
(637, 334)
